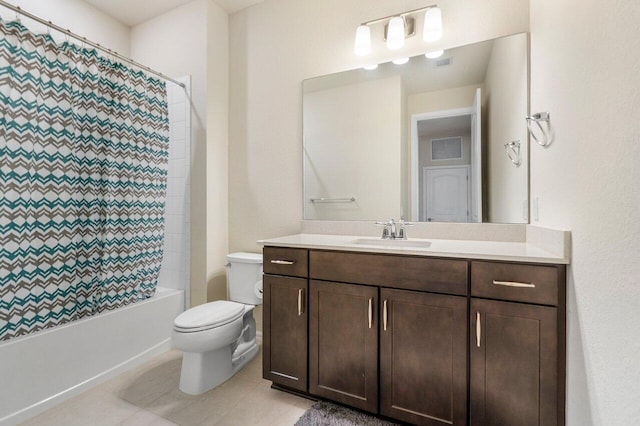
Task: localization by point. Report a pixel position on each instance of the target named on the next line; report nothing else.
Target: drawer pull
(514, 284)
(283, 262)
(370, 312)
(384, 315)
(478, 329)
(300, 311)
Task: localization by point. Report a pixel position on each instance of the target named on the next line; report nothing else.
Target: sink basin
(391, 243)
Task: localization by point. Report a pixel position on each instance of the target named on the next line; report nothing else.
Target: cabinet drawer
(515, 282)
(285, 261)
(404, 272)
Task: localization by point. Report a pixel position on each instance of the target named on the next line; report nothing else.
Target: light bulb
(395, 33)
(370, 67)
(435, 54)
(432, 25)
(401, 61)
(362, 45)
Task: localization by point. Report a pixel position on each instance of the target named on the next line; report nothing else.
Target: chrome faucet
(393, 230)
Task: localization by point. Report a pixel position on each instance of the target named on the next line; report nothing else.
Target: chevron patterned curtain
(83, 168)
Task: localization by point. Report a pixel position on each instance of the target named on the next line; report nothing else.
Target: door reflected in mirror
(424, 140)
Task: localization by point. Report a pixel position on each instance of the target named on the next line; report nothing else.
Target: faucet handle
(403, 222)
(401, 233)
(385, 229)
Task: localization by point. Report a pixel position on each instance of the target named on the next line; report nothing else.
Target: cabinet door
(514, 370)
(343, 343)
(423, 357)
(285, 331)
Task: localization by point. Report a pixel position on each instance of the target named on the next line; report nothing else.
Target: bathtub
(45, 368)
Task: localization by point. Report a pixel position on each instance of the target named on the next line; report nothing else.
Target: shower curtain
(83, 167)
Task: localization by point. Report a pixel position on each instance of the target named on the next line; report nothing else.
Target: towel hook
(546, 132)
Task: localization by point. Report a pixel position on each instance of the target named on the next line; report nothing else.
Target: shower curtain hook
(18, 15)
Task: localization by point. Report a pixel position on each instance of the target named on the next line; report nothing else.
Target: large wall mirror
(441, 139)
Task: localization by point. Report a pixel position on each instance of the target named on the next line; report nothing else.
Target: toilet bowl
(219, 338)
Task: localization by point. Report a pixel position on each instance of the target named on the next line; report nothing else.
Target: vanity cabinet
(424, 340)
(517, 352)
(405, 314)
(423, 357)
(285, 318)
(343, 343)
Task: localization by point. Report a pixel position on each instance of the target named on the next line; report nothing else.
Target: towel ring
(546, 131)
(513, 152)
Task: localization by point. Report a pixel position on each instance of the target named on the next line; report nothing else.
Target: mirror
(441, 140)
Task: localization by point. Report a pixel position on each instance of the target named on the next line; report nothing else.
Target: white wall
(276, 45)
(584, 70)
(506, 91)
(77, 16)
(441, 100)
(217, 173)
(192, 40)
(175, 261)
(348, 154)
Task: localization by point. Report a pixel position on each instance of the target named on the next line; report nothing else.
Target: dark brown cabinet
(343, 343)
(517, 350)
(422, 354)
(514, 364)
(428, 341)
(285, 331)
(423, 357)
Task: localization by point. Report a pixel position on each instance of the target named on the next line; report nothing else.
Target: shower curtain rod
(84, 40)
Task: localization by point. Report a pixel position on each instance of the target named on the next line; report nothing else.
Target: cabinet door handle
(384, 315)
(370, 312)
(283, 262)
(478, 329)
(514, 284)
(300, 310)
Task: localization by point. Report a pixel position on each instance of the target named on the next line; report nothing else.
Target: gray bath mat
(326, 414)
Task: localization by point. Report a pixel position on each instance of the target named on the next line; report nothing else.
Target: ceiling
(134, 12)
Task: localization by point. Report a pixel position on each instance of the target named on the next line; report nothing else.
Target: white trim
(462, 166)
(415, 145)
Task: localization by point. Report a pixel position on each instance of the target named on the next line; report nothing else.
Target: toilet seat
(208, 316)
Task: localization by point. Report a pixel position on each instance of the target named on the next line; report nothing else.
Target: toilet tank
(244, 277)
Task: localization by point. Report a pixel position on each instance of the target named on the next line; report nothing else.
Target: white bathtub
(43, 369)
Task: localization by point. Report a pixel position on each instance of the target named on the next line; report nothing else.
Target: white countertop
(489, 250)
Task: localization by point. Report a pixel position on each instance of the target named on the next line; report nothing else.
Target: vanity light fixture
(400, 27)
(435, 54)
(395, 33)
(432, 25)
(363, 41)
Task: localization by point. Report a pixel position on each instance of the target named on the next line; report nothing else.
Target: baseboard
(42, 406)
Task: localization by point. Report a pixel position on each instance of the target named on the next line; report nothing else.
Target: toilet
(219, 338)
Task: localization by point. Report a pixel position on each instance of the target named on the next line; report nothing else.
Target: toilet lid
(209, 315)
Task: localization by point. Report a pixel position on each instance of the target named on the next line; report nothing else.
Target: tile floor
(149, 395)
